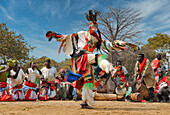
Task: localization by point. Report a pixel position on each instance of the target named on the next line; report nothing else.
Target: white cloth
(106, 66)
(163, 84)
(82, 42)
(49, 74)
(19, 79)
(32, 74)
(88, 95)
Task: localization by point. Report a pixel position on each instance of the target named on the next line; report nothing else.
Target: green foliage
(160, 42)
(12, 45)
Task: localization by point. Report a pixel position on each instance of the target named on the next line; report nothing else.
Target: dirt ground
(73, 108)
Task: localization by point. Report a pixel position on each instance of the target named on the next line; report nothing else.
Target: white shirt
(49, 74)
(19, 79)
(32, 74)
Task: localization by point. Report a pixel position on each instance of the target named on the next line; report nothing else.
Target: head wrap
(29, 63)
(47, 59)
(11, 63)
(140, 55)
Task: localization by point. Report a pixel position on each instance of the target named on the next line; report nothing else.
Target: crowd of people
(45, 84)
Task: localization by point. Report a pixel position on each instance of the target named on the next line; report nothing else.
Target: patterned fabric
(162, 83)
(29, 89)
(4, 93)
(17, 93)
(47, 92)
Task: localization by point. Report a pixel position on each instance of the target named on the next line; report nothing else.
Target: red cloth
(78, 84)
(121, 75)
(5, 94)
(81, 64)
(52, 83)
(28, 92)
(155, 65)
(12, 88)
(164, 79)
(93, 33)
(141, 66)
(59, 50)
(17, 92)
(88, 47)
(3, 84)
(29, 84)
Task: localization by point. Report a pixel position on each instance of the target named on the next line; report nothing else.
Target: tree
(160, 43)
(13, 46)
(119, 24)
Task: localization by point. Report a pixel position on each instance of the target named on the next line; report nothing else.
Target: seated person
(4, 75)
(47, 87)
(30, 87)
(17, 77)
(162, 88)
(62, 86)
(121, 75)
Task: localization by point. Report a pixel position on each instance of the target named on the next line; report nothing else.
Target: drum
(105, 97)
(141, 88)
(137, 97)
(100, 88)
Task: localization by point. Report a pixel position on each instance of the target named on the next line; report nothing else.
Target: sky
(33, 18)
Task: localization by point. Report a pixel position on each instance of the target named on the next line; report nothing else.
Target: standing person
(122, 74)
(155, 65)
(30, 88)
(4, 74)
(49, 73)
(17, 76)
(62, 86)
(144, 74)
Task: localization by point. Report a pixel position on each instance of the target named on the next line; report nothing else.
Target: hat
(47, 59)
(29, 63)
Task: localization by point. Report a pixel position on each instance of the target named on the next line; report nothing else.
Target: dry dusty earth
(73, 108)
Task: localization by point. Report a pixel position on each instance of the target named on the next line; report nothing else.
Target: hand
(46, 79)
(104, 86)
(37, 89)
(139, 81)
(36, 67)
(97, 80)
(43, 80)
(67, 92)
(7, 68)
(58, 90)
(117, 85)
(119, 67)
(19, 66)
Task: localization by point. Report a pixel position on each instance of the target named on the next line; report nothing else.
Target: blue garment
(72, 76)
